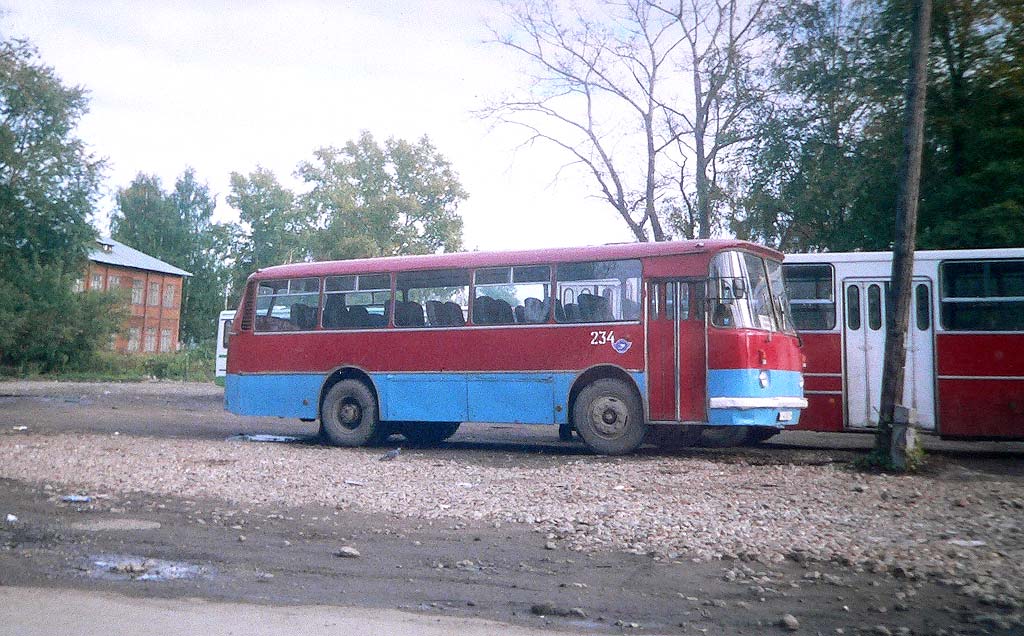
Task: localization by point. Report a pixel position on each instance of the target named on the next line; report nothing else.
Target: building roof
(111, 252)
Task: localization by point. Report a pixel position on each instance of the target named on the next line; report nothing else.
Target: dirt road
(502, 523)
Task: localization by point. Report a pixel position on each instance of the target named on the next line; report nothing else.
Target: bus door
(676, 351)
(864, 330)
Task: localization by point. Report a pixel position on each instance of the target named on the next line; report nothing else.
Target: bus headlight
(763, 378)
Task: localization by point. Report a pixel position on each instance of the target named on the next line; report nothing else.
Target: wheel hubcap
(609, 416)
(349, 414)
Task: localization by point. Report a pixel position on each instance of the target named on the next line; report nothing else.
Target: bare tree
(634, 91)
(718, 39)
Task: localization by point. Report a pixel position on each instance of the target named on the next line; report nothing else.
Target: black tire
(428, 433)
(348, 416)
(724, 436)
(608, 416)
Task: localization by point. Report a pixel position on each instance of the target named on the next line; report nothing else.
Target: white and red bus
(965, 343)
(605, 340)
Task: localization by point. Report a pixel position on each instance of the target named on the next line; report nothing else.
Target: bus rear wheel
(428, 433)
(608, 416)
(348, 416)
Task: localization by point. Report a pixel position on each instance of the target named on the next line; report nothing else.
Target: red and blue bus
(608, 342)
(964, 373)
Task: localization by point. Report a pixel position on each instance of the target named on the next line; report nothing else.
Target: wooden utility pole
(896, 438)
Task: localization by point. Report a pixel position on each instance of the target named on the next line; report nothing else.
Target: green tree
(177, 228)
(821, 172)
(272, 230)
(371, 200)
(49, 183)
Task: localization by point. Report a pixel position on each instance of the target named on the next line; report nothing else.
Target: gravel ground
(963, 531)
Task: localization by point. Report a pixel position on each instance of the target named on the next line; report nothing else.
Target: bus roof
(616, 251)
(919, 255)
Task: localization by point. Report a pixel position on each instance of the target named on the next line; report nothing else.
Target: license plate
(785, 416)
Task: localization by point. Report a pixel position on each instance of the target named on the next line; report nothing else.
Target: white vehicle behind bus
(223, 333)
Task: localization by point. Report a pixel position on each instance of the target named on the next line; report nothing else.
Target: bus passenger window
(508, 295)
(982, 295)
(810, 296)
(432, 298)
(287, 305)
(357, 301)
(923, 307)
(874, 307)
(599, 291)
(853, 307)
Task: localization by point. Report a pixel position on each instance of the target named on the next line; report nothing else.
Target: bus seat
(483, 310)
(334, 311)
(358, 316)
(572, 312)
(520, 313)
(454, 314)
(559, 311)
(594, 308)
(435, 313)
(409, 314)
(502, 312)
(535, 310)
(302, 316)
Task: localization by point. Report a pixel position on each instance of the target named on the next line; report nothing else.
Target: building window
(113, 282)
(165, 340)
(150, 339)
(168, 295)
(133, 339)
(79, 285)
(136, 291)
(154, 294)
(97, 282)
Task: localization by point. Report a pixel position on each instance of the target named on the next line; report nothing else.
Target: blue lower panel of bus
(523, 398)
(279, 394)
(526, 398)
(746, 383)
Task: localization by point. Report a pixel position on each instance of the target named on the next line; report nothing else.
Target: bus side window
(853, 307)
(874, 307)
(923, 303)
(227, 333)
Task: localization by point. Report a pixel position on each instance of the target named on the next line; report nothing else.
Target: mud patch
(122, 567)
(101, 525)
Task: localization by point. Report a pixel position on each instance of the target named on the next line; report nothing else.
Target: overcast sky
(223, 86)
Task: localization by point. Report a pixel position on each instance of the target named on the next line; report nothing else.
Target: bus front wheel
(348, 416)
(609, 418)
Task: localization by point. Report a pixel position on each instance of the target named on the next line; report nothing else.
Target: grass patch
(194, 365)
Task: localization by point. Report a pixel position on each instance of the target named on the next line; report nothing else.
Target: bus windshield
(747, 293)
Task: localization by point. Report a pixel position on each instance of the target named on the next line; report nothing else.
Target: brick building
(153, 287)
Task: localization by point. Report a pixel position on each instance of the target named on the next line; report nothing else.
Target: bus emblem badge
(622, 345)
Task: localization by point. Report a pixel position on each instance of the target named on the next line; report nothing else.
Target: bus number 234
(602, 337)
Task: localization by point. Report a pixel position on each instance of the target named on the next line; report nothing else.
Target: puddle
(259, 437)
(100, 525)
(122, 567)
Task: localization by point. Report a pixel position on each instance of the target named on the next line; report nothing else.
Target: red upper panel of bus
(522, 257)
